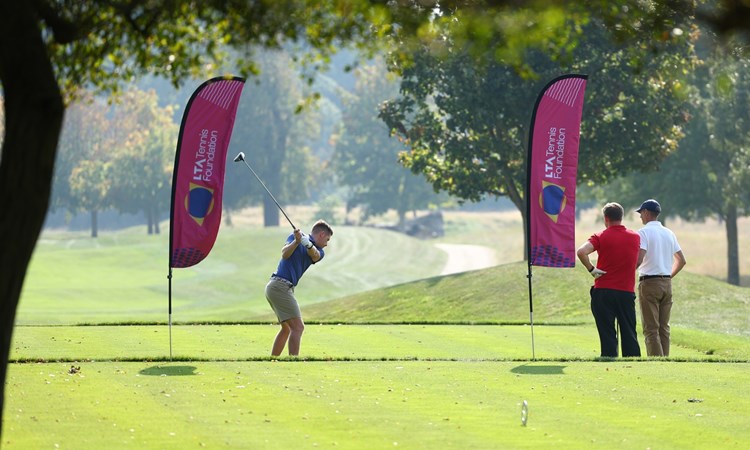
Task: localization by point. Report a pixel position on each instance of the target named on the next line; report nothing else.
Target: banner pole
(170, 314)
(531, 315)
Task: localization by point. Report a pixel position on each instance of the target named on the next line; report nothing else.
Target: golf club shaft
(269, 193)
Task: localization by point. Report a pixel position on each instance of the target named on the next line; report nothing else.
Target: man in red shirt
(613, 293)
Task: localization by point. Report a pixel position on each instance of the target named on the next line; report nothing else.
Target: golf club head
(240, 157)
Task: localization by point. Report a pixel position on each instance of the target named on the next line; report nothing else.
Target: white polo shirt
(660, 245)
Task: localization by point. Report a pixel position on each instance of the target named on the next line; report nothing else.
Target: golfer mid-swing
(299, 252)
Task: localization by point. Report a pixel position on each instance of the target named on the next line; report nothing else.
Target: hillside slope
(501, 295)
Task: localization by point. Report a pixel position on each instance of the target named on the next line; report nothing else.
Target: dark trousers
(609, 305)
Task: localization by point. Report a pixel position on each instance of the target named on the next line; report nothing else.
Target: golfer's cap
(650, 205)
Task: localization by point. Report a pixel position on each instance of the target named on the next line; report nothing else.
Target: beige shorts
(280, 295)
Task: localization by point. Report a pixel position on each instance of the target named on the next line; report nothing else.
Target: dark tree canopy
(709, 174)
(466, 116)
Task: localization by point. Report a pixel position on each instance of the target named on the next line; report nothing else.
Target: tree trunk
(149, 213)
(279, 133)
(520, 203)
(733, 254)
(33, 119)
(270, 212)
(94, 223)
(401, 220)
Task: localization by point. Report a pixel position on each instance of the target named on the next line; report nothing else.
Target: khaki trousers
(655, 298)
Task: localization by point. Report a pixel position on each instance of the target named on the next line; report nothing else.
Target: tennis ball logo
(199, 202)
(552, 200)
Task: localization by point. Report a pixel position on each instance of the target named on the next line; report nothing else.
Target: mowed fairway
(363, 386)
(393, 355)
(324, 342)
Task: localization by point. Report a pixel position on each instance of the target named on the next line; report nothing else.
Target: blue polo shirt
(293, 267)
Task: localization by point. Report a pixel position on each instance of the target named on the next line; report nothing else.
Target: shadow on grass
(527, 369)
(169, 371)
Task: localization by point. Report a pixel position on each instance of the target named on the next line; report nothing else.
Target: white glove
(305, 241)
(596, 273)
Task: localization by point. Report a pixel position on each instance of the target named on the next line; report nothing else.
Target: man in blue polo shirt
(297, 255)
(659, 260)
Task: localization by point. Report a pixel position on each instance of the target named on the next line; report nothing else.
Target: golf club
(241, 157)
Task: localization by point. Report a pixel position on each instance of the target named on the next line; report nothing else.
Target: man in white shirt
(659, 260)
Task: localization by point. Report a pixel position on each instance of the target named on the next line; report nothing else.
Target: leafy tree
(115, 156)
(709, 175)
(366, 156)
(90, 182)
(274, 125)
(723, 108)
(143, 155)
(467, 117)
(81, 180)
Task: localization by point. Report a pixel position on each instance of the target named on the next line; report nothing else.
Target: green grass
(369, 386)
(122, 276)
(394, 356)
(500, 295)
(339, 342)
(377, 404)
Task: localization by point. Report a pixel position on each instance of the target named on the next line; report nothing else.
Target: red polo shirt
(618, 249)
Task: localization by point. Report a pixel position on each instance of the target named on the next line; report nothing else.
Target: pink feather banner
(552, 172)
(200, 160)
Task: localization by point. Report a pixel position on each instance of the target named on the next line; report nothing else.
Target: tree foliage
(466, 117)
(90, 182)
(142, 156)
(366, 156)
(709, 174)
(85, 136)
(116, 156)
(274, 121)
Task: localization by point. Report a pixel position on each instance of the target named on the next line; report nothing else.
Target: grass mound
(501, 295)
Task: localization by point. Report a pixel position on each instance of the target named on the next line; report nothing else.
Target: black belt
(647, 277)
(283, 280)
